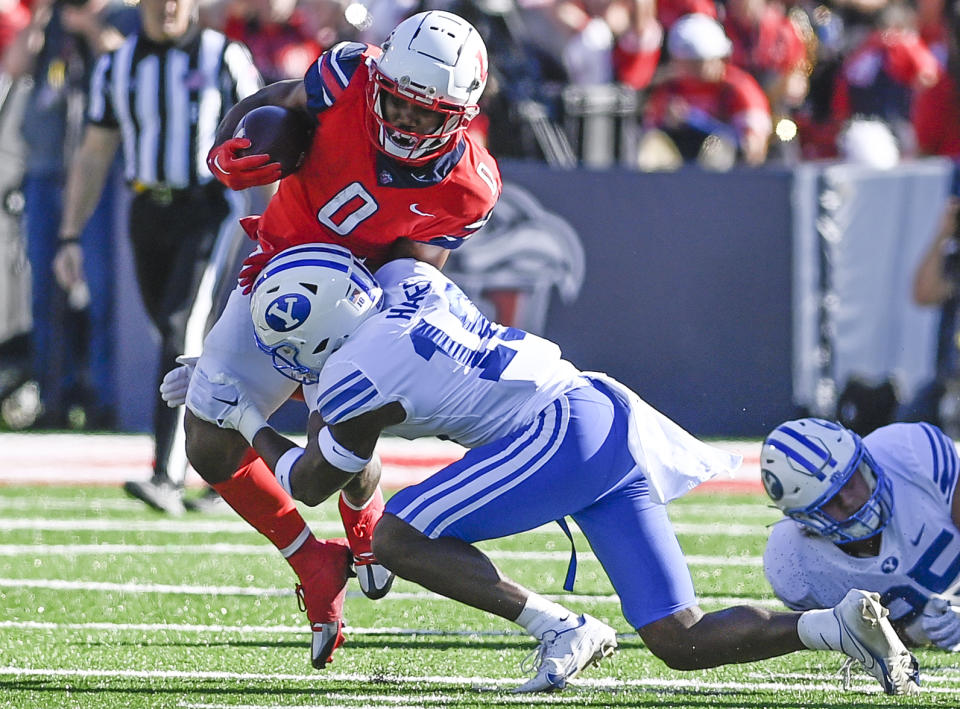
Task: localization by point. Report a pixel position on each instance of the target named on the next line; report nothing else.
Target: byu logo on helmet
(305, 304)
(287, 312)
(773, 485)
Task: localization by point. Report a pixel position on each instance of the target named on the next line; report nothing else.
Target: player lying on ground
(880, 514)
(413, 184)
(546, 440)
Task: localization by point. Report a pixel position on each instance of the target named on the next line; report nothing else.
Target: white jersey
(919, 548)
(457, 375)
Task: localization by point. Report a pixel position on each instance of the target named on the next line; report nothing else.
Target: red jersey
(347, 192)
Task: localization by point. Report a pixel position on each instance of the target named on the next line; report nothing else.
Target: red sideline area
(105, 459)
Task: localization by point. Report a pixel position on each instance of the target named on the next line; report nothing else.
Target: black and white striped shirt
(167, 100)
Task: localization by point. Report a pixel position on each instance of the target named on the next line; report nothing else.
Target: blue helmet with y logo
(306, 302)
(803, 465)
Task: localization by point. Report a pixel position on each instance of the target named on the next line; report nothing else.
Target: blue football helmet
(306, 302)
(804, 463)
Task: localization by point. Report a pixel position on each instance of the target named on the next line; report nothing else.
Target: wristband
(64, 240)
(337, 455)
(285, 465)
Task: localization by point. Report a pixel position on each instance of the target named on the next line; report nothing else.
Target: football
(282, 134)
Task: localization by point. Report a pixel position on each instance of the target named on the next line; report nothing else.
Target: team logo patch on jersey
(773, 485)
(287, 312)
(889, 564)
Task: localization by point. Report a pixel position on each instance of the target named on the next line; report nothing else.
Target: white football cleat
(562, 655)
(863, 632)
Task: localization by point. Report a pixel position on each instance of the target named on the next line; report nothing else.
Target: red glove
(239, 172)
(252, 265)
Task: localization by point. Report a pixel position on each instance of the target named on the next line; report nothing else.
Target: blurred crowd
(719, 81)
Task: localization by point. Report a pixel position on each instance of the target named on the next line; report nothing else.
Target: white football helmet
(437, 61)
(804, 463)
(306, 302)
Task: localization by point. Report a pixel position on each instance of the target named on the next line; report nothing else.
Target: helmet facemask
(407, 146)
(806, 463)
(286, 360)
(866, 522)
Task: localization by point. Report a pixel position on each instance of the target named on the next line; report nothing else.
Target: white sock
(819, 630)
(540, 615)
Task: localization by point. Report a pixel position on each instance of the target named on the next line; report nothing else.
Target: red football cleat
(323, 570)
(375, 580)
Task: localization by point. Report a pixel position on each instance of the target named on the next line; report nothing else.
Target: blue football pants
(571, 460)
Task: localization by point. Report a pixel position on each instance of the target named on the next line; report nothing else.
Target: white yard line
(33, 550)
(819, 682)
(190, 590)
(234, 526)
(250, 629)
(692, 512)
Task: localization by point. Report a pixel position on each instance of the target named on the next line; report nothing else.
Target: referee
(161, 96)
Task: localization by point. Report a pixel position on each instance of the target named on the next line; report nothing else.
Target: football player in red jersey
(390, 173)
(700, 94)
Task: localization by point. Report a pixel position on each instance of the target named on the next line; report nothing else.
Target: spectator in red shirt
(768, 45)
(936, 115)
(639, 36)
(936, 110)
(701, 98)
(283, 39)
(879, 78)
(603, 41)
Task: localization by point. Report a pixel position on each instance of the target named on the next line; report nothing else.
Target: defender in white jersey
(546, 441)
(884, 517)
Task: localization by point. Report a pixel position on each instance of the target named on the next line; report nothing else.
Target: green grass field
(106, 604)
